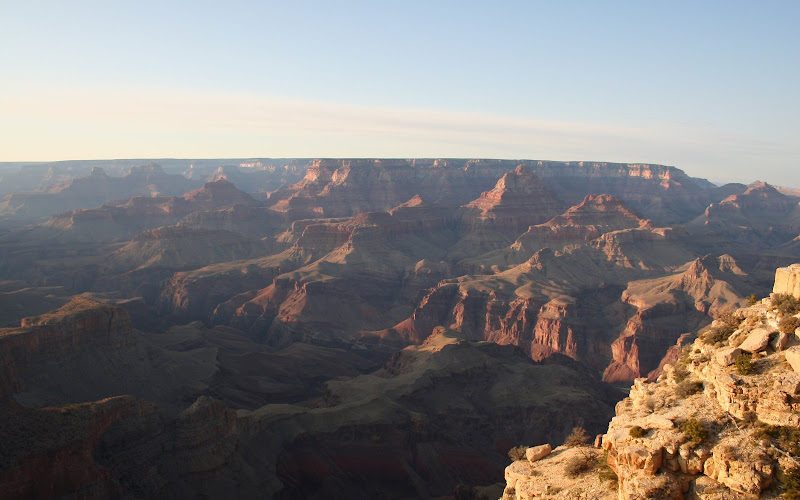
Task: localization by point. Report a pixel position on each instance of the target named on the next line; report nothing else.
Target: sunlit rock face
(787, 280)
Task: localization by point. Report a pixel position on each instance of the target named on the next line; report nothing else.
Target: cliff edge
(721, 422)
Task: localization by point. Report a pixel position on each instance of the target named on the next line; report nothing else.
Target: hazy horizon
(708, 88)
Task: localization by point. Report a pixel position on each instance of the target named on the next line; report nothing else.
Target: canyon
(356, 327)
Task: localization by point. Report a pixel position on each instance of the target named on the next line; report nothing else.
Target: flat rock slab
(793, 357)
(756, 341)
(727, 356)
(538, 452)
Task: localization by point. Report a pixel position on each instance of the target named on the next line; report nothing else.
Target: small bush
(637, 432)
(791, 483)
(679, 373)
(517, 453)
(694, 430)
(686, 355)
(729, 318)
(578, 437)
(744, 364)
(787, 438)
(752, 299)
(718, 334)
(579, 464)
(785, 304)
(789, 324)
(687, 388)
(604, 471)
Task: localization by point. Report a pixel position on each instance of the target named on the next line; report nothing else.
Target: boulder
(727, 356)
(793, 357)
(538, 452)
(756, 341)
(788, 382)
(779, 341)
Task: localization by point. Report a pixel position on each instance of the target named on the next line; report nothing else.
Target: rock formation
(787, 280)
(715, 424)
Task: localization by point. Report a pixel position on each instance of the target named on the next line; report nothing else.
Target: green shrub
(579, 464)
(744, 364)
(791, 483)
(718, 334)
(785, 304)
(517, 453)
(604, 471)
(637, 432)
(694, 430)
(752, 299)
(787, 438)
(686, 355)
(789, 324)
(578, 437)
(688, 387)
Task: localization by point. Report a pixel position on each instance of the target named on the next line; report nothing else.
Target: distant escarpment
(94, 190)
(335, 188)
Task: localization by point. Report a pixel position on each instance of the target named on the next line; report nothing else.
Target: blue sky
(710, 87)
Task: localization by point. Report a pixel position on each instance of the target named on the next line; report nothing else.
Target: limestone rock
(740, 467)
(538, 452)
(793, 357)
(756, 341)
(780, 341)
(787, 280)
(726, 357)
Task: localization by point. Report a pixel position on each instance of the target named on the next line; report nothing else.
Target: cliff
(720, 422)
(80, 323)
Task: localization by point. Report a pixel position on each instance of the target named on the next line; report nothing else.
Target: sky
(711, 87)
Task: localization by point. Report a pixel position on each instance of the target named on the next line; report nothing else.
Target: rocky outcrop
(787, 280)
(668, 307)
(51, 451)
(705, 429)
(79, 323)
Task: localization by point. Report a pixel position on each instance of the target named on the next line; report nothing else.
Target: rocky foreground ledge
(721, 422)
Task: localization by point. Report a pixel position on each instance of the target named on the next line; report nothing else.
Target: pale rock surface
(538, 452)
(548, 478)
(793, 357)
(726, 357)
(757, 340)
(787, 280)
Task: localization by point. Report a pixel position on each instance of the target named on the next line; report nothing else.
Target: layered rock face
(517, 201)
(787, 280)
(79, 323)
(664, 194)
(337, 187)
